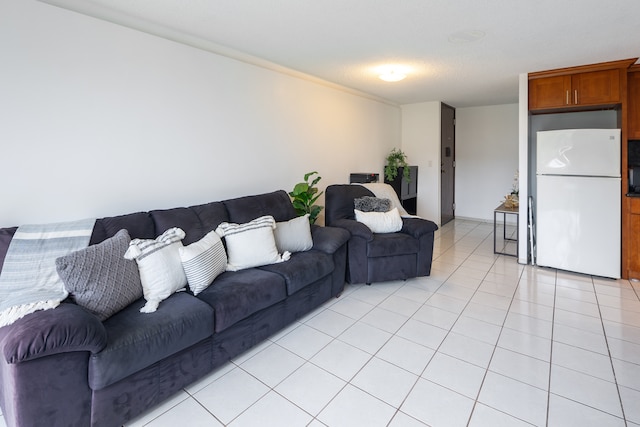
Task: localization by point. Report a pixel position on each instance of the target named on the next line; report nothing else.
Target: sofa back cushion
(195, 221)
(339, 201)
(139, 225)
(6, 234)
(244, 209)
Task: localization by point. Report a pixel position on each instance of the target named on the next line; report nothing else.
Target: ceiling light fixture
(392, 73)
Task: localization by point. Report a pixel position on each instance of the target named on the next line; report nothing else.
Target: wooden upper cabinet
(549, 92)
(577, 88)
(596, 88)
(633, 86)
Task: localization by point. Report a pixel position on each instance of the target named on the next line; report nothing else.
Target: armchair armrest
(355, 228)
(417, 227)
(328, 239)
(66, 328)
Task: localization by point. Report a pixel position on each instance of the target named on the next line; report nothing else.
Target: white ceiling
(342, 41)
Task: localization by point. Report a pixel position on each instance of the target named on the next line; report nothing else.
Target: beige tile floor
(483, 341)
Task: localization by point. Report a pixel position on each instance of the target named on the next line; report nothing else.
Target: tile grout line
(397, 410)
(553, 324)
(348, 382)
(372, 356)
(419, 376)
(495, 346)
(606, 340)
(591, 280)
(460, 315)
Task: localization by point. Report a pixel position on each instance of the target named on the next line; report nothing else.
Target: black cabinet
(407, 190)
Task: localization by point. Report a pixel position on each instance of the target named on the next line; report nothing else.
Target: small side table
(502, 209)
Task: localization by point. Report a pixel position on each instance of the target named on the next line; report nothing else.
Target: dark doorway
(448, 162)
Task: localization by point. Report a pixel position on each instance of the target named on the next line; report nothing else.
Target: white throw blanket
(29, 280)
(385, 191)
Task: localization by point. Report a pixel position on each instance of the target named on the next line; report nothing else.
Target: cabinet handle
(575, 96)
(567, 103)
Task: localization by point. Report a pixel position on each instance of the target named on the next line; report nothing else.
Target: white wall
(421, 144)
(98, 120)
(486, 158)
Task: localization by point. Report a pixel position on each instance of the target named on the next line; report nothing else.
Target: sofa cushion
(137, 340)
(239, 294)
(6, 234)
(139, 225)
(392, 244)
(277, 204)
(196, 221)
(99, 278)
(339, 201)
(302, 269)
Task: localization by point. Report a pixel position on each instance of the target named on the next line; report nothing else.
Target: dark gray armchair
(373, 257)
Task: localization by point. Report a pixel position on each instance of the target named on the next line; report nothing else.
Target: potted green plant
(304, 196)
(397, 158)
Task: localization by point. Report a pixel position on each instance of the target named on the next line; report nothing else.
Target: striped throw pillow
(203, 261)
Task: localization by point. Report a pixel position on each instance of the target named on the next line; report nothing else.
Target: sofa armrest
(417, 227)
(66, 328)
(355, 228)
(328, 239)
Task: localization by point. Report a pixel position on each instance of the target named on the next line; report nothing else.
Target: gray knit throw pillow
(372, 204)
(98, 277)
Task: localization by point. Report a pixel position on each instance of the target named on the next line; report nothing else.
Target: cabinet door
(633, 247)
(633, 83)
(549, 92)
(596, 87)
(631, 239)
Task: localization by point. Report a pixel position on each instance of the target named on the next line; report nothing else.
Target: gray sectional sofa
(64, 367)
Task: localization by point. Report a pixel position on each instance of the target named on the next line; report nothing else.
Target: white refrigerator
(578, 201)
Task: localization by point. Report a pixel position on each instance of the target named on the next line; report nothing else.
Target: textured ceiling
(342, 41)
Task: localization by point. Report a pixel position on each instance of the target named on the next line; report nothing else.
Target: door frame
(444, 218)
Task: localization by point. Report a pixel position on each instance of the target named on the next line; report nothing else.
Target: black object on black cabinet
(407, 190)
(363, 178)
